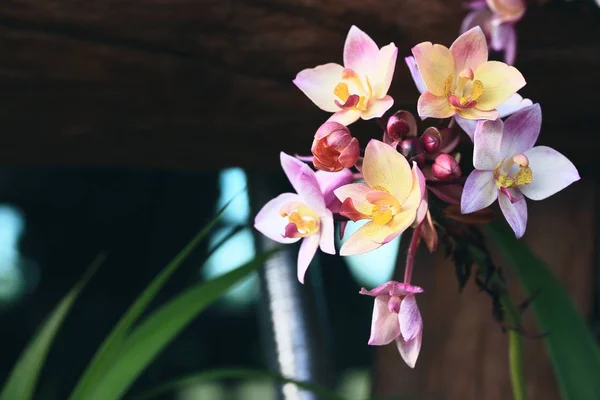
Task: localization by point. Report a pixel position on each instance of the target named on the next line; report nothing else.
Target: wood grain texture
(204, 84)
(464, 354)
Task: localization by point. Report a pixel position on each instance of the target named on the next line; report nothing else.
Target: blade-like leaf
(574, 353)
(109, 350)
(22, 381)
(236, 373)
(160, 328)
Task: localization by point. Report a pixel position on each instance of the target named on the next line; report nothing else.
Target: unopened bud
(334, 148)
(445, 167)
(412, 149)
(432, 140)
(400, 125)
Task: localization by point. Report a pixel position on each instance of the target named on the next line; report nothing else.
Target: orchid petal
(477, 17)
(487, 145)
(385, 65)
(269, 221)
(467, 125)
(369, 237)
(318, 84)
(500, 81)
(507, 10)
(304, 181)
(432, 106)
(384, 288)
(435, 63)
(504, 38)
(416, 75)
(552, 172)
(513, 104)
(479, 192)
(378, 107)
(360, 52)
(346, 117)
(409, 350)
(329, 181)
(357, 193)
(404, 289)
(418, 191)
(477, 114)
(308, 248)
(515, 214)
(521, 131)
(410, 318)
(326, 241)
(384, 325)
(384, 167)
(469, 50)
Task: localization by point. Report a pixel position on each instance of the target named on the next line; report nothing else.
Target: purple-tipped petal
(384, 325)
(329, 181)
(479, 192)
(504, 38)
(467, 125)
(521, 130)
(383, 289)
(409, 317)
(327, 231)
(304, 181)
(515, 214)
(360, 52)
(308, 248)
(552, 172)
(409, 350)
(416, 75)
(487, 144)
(404, 289)
(269, 221)
(512, 105)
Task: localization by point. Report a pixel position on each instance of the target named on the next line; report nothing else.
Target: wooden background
(203, 84)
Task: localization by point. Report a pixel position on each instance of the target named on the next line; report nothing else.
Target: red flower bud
(445, 167)
(412, 149)
(432, 140)
(400, 125)
(334, 148)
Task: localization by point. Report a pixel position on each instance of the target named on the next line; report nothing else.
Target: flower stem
(515, 350)
(410, 255)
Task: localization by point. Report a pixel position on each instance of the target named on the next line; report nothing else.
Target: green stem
(515, 350)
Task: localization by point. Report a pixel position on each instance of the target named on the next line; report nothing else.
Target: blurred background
(125, 125)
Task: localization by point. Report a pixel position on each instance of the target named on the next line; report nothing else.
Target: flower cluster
(394, 175)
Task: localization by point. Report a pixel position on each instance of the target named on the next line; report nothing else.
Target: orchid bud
(334, 148)
(445, 167)
(432, 140)
(412, 149)
(400, 125)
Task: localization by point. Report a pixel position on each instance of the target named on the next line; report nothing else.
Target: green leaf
(236, 373)
(573, 351)
(22, 381)
(161, 327)
(110, 349)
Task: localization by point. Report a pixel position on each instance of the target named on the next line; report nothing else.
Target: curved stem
(515, 350)
(410, 255)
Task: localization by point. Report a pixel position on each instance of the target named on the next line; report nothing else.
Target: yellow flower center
(385, 206)
(352, 91)
(463, 91)
(307, 222)
(512, 172)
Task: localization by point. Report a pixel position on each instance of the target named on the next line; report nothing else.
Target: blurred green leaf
(22, 381)
(160, 328)
(574, 352)
(109, 350)
(235, 373)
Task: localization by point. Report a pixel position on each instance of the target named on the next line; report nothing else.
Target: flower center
(385, 206)
(302, 220)
(352, 91)
(513, 172)
(394, 304)
(463, 91)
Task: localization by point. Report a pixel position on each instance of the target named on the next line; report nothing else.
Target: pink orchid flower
(508, 167)
(303, 215)
(461, 81)
(359, 88)
(396, 317)
(390, 197)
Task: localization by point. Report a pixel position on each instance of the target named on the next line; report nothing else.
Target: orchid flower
(303, 215)
(396, 317)
(359, 88)
(508, 167)
(461, 81)
(389, 197)
(497, 19)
